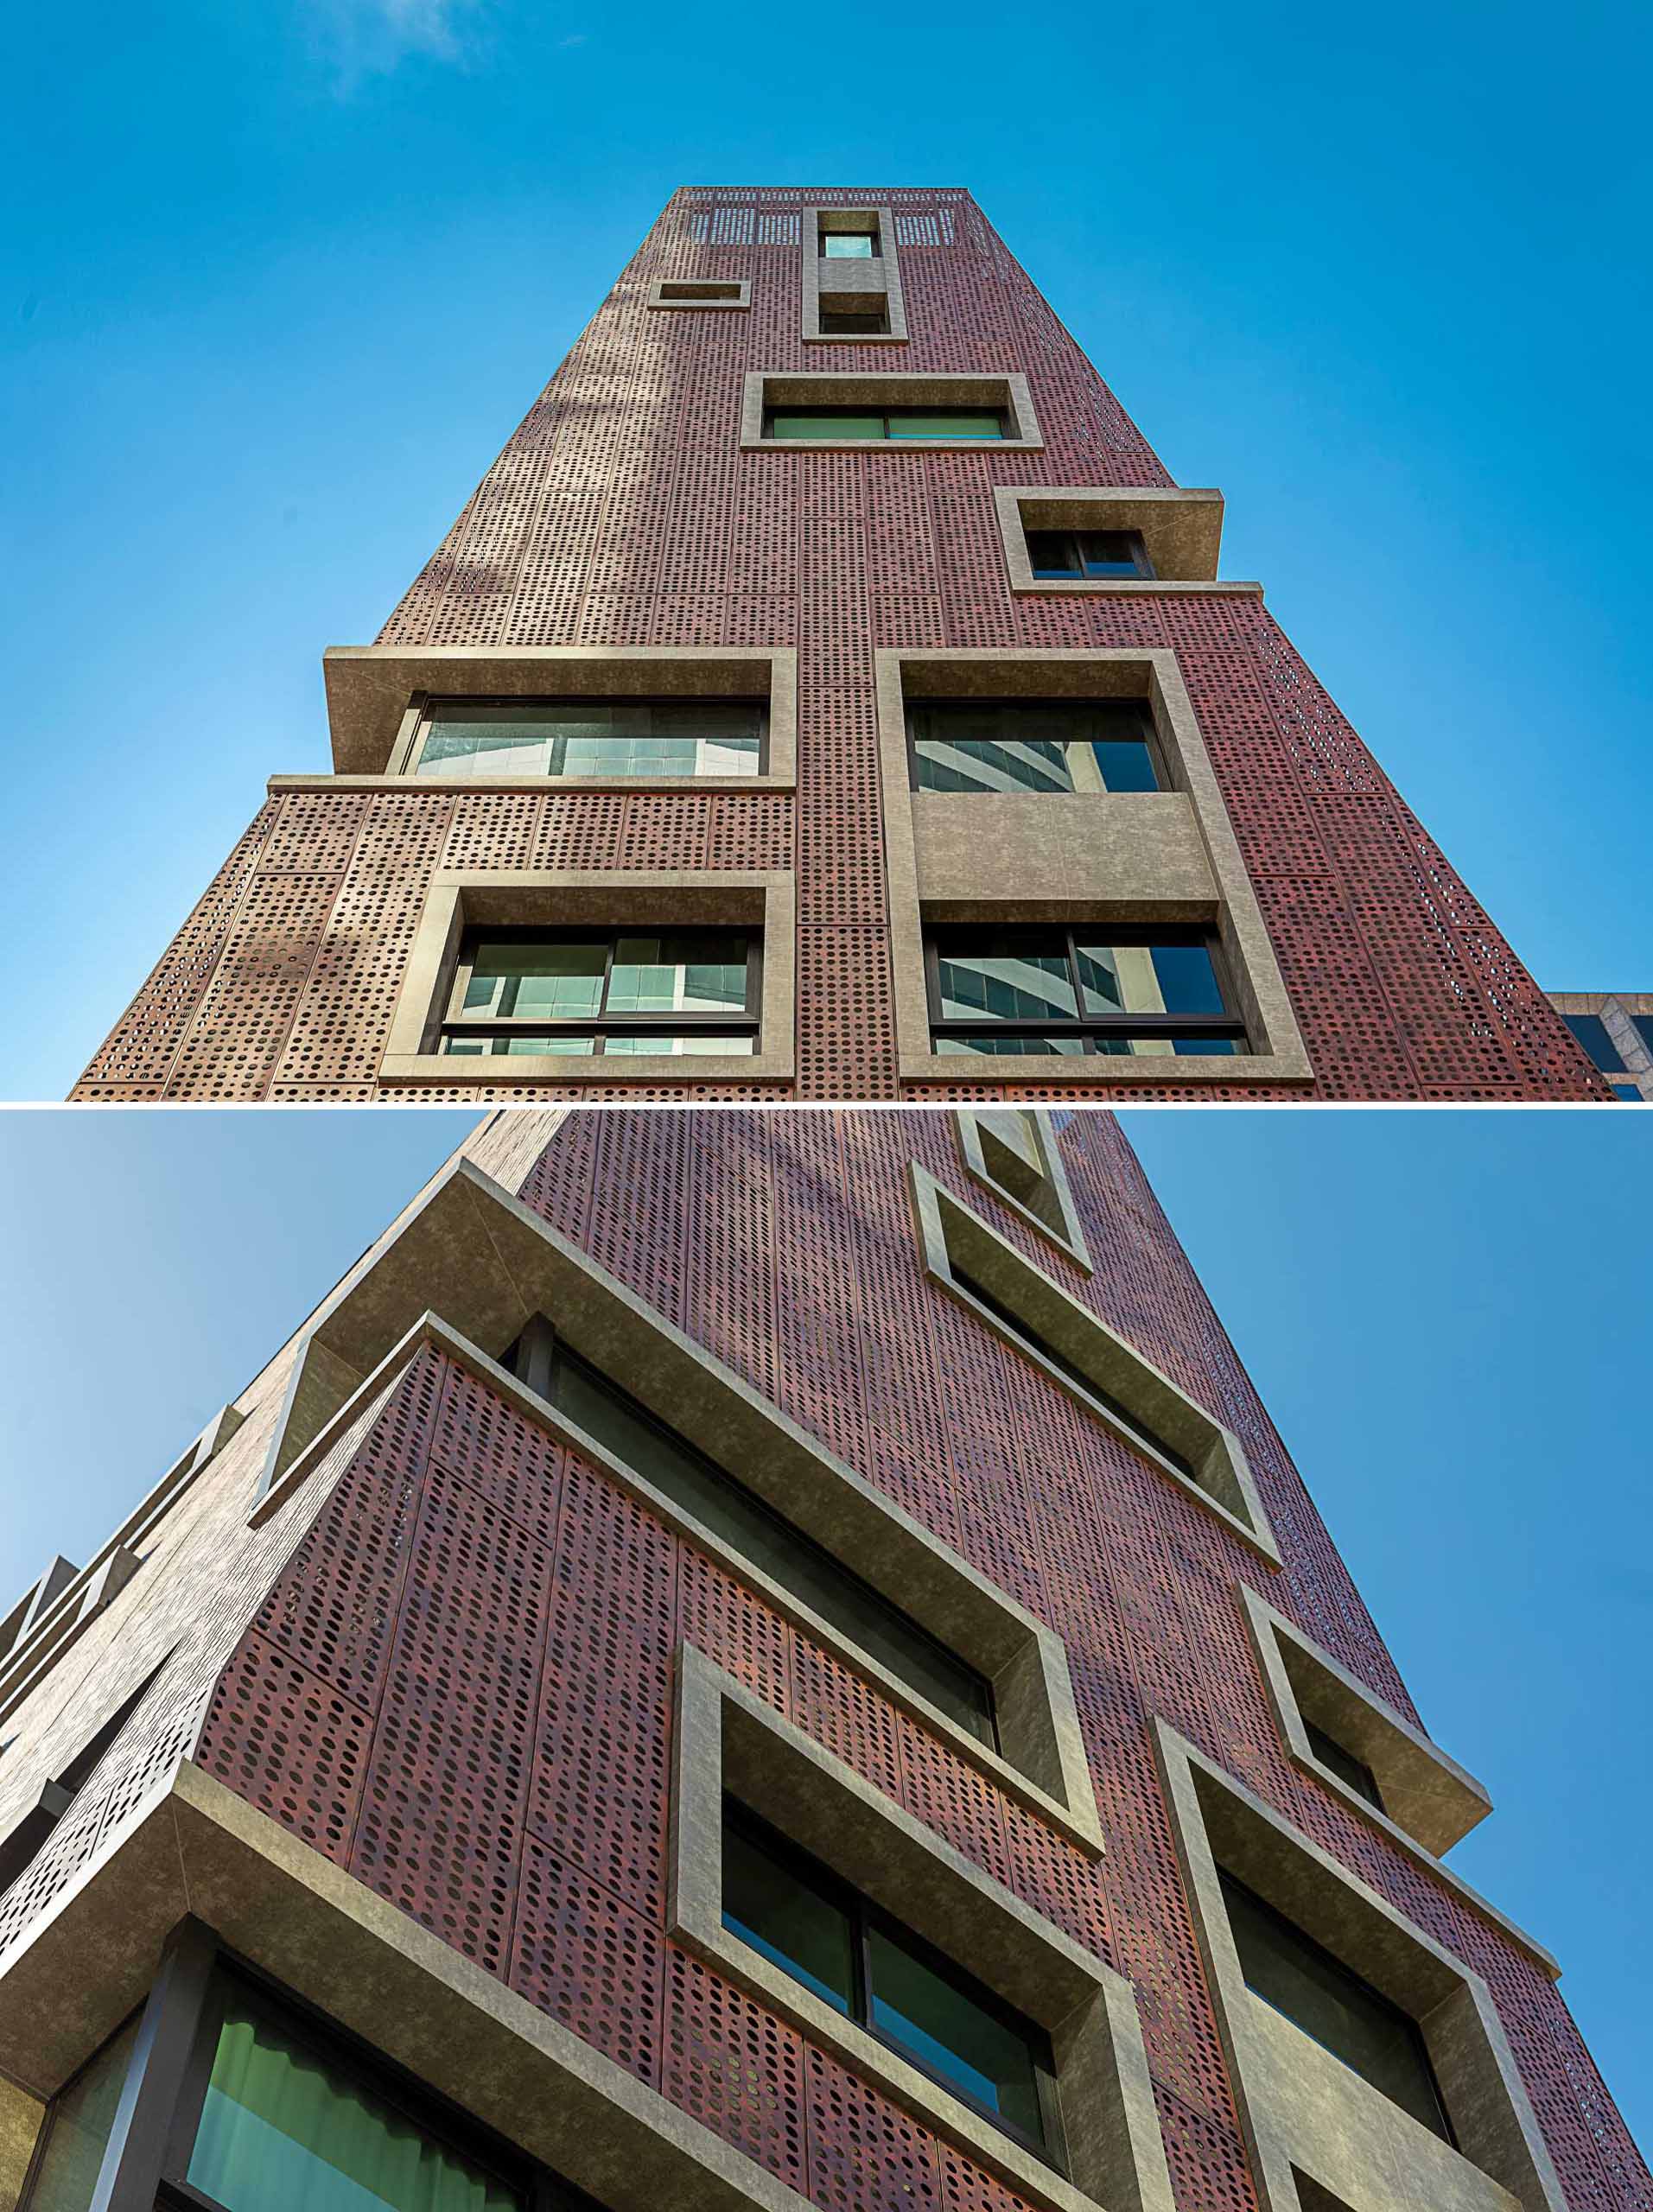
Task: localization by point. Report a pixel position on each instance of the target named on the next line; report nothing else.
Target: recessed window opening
(1081, 556)
(616, 993)
(1133, 1426)
(1592, 1033)
(1033, 745)
(1107, 989)
(1344, 1764)
(673, 287)
(475, 739)
(856, 1958)
(966, 425)
(781, 1550)
(852, 315)
(850, 245)
(1011, 1155)
(1357, 2024)
(19, 1850)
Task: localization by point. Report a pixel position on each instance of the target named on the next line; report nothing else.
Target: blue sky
(281, 278)
(1448, 1315)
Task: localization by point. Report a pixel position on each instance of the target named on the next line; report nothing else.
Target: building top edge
(803, 195)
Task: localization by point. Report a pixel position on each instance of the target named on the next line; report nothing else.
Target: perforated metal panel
(624, 512)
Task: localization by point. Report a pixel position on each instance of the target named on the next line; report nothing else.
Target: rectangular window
(1592, 1033)
(965, 424)
(1032, 745)
(1345, 1765)
(745, 1523)
(1107, 990)
(585, 991)
(476, 738)
(1344, 2015)
(867, 1965)
(1642, 1025)
(854, 319)
(1085, 556)
(849, 245)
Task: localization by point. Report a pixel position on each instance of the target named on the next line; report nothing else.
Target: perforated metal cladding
(499, 1621)
(624, 512)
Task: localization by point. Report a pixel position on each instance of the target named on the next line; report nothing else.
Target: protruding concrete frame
(728, 1739)
(1166, 856)
(691, 292)
(948, 1228)
(878, 278)
(896, 387)
(1182, 531)
(764, 904)
(1304, 2114)
(468, 1268)
(1431, 1801)
(988, 1159)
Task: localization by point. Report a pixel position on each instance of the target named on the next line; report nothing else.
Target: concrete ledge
(700, 292)
(471, 1265)
(896, 388)
(1431, 1801)
(729, 1739)
(948, 1230)
(1302, 2111)
(368, 688)
(764, 904)
(1181, 530)
(195, 1847)
(991, 1157)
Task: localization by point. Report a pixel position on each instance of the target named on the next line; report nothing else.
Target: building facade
(755, 1661)
(828, 694)
(1616, 1029)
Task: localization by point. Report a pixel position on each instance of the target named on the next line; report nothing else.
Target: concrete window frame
(700, 292)
(469, 1266)
(195, 1850)
(988, 1157)
(459, 899)
(728, 1740)
(1429, 1801)
(767, 388)
(373, 721)
(1315, 2130)
(1181, 529)
(1094, 856)
(877, 278)
(950, 1232)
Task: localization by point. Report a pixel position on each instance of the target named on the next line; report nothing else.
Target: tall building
(1616, 1029)
(755, 1661)
(828, 694)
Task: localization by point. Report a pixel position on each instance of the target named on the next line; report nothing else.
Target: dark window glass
(1086, 555)
(1642, 1025)
(895, 424)
(1130, 1422)
(1628, 1092)
(795, 1561)
(847, 322)
(1027, 745)
(1358, 2025)
(1345, 1765)
(1592, 1033)
(565, 991)
(1138, 991)
(477, 739)
(867, 1964)
(78, 2130)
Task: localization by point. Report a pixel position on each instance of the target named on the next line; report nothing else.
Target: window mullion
(153, 2121)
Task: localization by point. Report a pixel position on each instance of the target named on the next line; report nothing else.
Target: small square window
(849, 245)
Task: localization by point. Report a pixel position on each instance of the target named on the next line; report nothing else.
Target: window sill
(449, 785)
(498, 1071)
(1189, 1071)
(1142, 584)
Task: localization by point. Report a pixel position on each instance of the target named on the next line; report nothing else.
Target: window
(1642, 1025)
(975, 424)
(879, 1973)
(620, 994)
(851, 315)
(1027, 745)
(19, 1850)
(774, 1545)
(1011, 1152)
(1347, 1768)
(1628, 1092)
(1592, 1033)
(478, 738)
(1083, 556)
(690, 292)
(78, 2129)
(1121, 1415)
(1344, 2015)
(849, 245)
(1046, 991)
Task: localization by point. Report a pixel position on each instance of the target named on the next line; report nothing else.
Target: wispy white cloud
(369, 38)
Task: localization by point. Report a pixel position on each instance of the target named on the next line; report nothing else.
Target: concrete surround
(764, 904)
(368, 688)
(982, 1148)
(948, 1228)
(728, 1739)
(699, 292)
(877, 278)
(1168, 856)
(898, 388)
(1182, 531)
(471, 1265)
(1302, 2111)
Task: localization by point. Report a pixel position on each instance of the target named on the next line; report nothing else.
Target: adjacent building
(1616, 1029)
(755, 1661)
(828, 694)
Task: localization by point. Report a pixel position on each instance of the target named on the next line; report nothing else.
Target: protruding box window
(1012, 1152)
(851, 274)
(479, 740)
(897, 413)
(699, 292)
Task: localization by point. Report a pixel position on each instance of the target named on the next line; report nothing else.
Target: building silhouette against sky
(828, 694)
(755, 1661)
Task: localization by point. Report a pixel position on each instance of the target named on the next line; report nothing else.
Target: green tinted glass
(81, 2119)
(541, 982)
(827, 426)
(807, 1935)
(950, 2035)
(945, 423)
